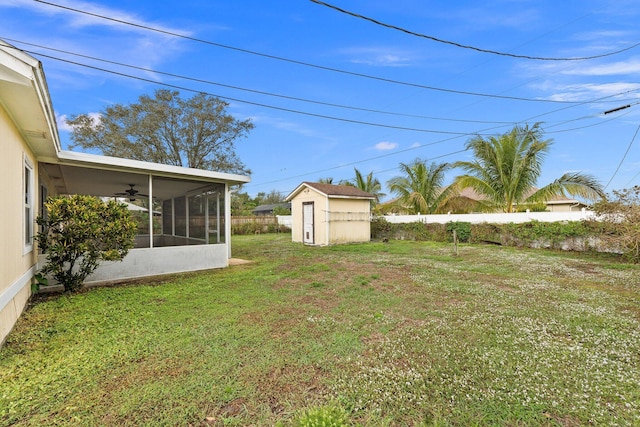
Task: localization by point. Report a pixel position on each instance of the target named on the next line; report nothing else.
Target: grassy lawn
(399, 333)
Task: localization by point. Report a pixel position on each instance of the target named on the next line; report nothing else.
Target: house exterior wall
(17, 265)
(349, 221)
(564, 207)
(320, 223)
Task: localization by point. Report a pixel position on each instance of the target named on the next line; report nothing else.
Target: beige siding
(349, 221)
(564, 207)
(336, 219)
(319, 212)
(15, 265)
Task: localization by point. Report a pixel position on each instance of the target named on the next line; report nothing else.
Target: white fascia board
(350, 197)
(296, 191)
(20, 68)
(18, 62)
(72, 158)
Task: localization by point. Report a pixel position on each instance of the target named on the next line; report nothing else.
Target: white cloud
(385, 146)
(83, 20)
(580, 92)
(632, 66)
(83, 34)
(379, 56)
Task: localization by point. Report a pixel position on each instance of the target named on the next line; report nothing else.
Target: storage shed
(326, 214)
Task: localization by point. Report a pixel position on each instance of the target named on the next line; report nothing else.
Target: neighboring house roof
(333, 191)
(270, 208)
(470, 193)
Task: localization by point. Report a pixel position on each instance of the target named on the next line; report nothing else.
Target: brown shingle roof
(339, 190)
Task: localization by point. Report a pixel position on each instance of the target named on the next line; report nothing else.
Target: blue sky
(394, 96)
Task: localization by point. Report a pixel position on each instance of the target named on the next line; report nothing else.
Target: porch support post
(186, 210)
(205, 200)
(218, 217)
(150, 211)
(227, 217)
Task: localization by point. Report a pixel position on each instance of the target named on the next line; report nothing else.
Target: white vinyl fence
(477, 218)
(493, 218)
(286, 220)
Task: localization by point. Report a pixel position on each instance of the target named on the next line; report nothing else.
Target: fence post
(455, 242)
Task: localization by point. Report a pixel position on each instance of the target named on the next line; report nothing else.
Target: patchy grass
(398, 333)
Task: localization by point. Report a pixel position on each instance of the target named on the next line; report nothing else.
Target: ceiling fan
(131, 193)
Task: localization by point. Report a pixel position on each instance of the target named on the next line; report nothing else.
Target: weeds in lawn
(400, 333)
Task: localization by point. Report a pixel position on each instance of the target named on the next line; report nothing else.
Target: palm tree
(368, 184)
(506, 168)
(420, 188)
(325, 180)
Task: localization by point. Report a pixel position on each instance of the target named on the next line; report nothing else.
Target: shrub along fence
(257, 225)
(585, 235)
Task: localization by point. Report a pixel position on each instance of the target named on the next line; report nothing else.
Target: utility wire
(258, 104)
(457, 134)
(444, 140)
(623, 157)
(463, 46)
(306, 64)
(293, 98)
(582, 127)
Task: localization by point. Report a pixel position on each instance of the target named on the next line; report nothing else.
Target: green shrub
(534, 233)
(80, 231)
(462, 229)
(380, 227)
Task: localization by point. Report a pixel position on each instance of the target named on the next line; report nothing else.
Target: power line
(293, 98)
(582, 127)
(623, 157)
(448, 139)
(306, 64)
(494, 52)
(243, 101)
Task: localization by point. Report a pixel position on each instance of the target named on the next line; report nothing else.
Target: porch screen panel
(167, 217)
(180, 213)
(216, 214)
(197, 217)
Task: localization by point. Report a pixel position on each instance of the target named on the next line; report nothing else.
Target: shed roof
(333, 191)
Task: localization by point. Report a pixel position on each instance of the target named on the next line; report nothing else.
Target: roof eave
(73, 158)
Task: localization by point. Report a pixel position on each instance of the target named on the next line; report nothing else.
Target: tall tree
(368, 184)
(506, 169)
(272, 198)
(328, 180)
(196, 132)
(420, 187)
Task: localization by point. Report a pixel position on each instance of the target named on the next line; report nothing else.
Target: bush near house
(80, 231)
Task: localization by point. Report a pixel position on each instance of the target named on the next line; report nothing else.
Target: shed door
(307, 222)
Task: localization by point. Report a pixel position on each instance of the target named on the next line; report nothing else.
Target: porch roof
(84, 173)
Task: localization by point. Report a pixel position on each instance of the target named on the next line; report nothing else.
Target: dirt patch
(583, 267)
(238, 261)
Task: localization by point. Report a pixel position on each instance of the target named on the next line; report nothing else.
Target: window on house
(28, 205)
